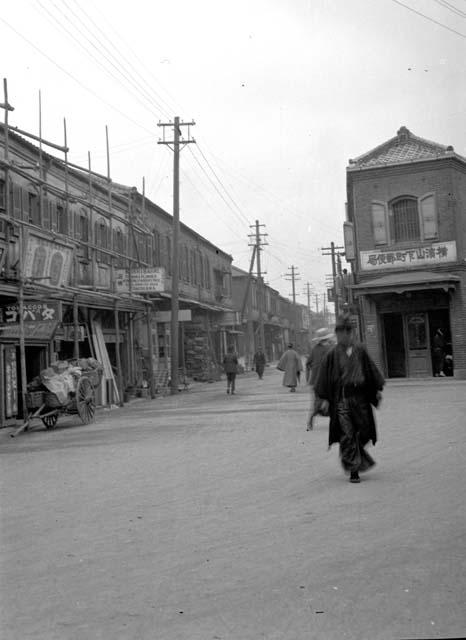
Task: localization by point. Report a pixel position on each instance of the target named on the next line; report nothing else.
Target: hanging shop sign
(47, 260)
(40, 320)
(150, 280)
(348, 234)
(433, 254)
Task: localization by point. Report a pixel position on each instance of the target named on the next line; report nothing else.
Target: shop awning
(198, 303)
(407, 281)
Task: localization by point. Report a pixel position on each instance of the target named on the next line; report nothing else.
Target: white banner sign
(433, 254)
(148, 280)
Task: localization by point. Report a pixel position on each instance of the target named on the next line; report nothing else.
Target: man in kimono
(290, 363)
(350, 385)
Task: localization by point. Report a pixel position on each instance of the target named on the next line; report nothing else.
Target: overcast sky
(283, 93)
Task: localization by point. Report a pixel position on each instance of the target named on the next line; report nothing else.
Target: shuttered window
(379, 223)
(429, 217)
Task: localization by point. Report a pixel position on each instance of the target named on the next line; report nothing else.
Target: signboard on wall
(411, 258)
(47, 260)
(348, 234)
(150, 280)
(40, 320)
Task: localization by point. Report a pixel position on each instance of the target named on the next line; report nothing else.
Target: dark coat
(329, 387)
(314, 360)
(230, 363)
(259, 360)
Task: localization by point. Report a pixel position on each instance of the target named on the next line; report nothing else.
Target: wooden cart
(45, 406)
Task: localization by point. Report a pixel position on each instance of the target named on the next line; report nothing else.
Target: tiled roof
(404, 147)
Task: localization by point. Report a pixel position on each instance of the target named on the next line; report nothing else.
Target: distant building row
(94, 259)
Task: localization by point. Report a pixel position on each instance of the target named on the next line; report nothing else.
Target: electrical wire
(120, 60)
(440, 24)
(70, 75)
(451, 7)
(238, 209)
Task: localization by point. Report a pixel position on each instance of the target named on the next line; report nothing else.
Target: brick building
(406, 238)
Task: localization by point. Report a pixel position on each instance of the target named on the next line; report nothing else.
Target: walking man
(350, 385)
(230, 365)
(290, 363)
(259, 362)
(321, 347)
(439, 353)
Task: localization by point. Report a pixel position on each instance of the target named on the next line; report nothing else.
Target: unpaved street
(207, 517)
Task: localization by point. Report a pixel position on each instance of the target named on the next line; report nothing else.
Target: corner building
(406, 213)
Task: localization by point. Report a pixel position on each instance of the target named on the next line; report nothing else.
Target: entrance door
(394, 345)
(419, 361)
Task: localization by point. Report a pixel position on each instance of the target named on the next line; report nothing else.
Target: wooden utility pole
(331, 251)
(258, 244)
(293, 276)
(175, 145)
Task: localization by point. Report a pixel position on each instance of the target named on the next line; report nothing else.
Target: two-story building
(406, 238)
(88, 262)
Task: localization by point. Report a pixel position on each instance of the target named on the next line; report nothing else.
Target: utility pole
(258, 244)
(293, 276)
(307, 290)
(175, 145)
(333, 249)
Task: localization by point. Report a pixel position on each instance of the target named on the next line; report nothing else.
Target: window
(61, 220)
(405, 220)
(82, 232)
(33, 209)
(168, 255)
(119, 246)
(157, 258)
(101, 240)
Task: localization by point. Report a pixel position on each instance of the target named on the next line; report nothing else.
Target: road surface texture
(214, 517)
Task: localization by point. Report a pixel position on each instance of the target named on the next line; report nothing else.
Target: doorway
(394, 345)
(440, 319)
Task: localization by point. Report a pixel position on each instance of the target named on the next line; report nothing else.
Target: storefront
(40, 322)
(401, 313)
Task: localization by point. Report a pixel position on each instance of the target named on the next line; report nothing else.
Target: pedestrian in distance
(438, 353)
(322, 344)
(259, 363)
(350, 385)
(291, 365)
(230, 366)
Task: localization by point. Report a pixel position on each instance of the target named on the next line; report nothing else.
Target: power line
(451, 8)
(119, 71)
(133, 68)
(70, 75)
(223, 187)
(419, 13)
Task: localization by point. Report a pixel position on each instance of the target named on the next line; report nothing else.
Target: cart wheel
(85, 400)
(50, 421)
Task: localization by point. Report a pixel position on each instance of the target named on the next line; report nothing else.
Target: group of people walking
(345, 383)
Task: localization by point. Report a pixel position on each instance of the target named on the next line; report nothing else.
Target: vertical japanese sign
(11, 382)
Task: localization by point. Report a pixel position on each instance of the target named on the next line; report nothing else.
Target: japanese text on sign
(436, 253)
(32, 312)
(140, 280)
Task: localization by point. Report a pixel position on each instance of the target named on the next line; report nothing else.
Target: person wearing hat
(323, 341)
(350, 385)
(259, 362)
(290, 363)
